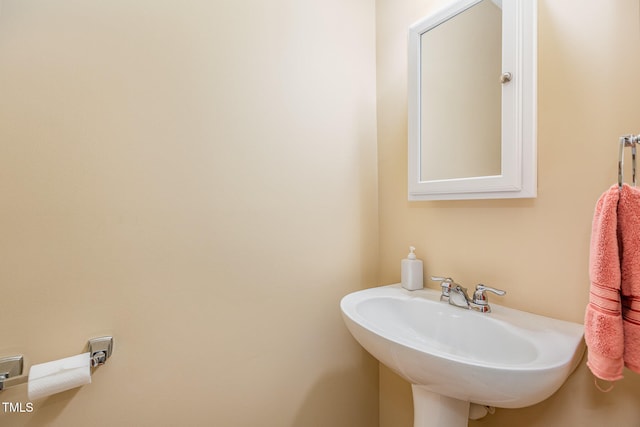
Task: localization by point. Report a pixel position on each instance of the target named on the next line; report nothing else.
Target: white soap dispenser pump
(411, 271)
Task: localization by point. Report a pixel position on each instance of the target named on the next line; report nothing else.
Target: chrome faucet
(446, 283)
(457, 295)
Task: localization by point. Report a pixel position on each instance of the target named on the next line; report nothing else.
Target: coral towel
(612, 318)
(629, 232)
(603, 330)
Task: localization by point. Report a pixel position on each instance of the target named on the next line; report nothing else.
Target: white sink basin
(453, 356)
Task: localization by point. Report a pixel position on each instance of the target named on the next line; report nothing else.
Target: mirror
(472, 101)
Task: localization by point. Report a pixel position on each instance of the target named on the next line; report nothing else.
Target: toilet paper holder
(11, 371)
(11, 367)
(100, 350)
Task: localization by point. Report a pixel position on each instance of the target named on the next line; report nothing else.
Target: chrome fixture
(627, 141)
(457, 295)
(505, 77)
(11, 371)
(445, 283)
(12, 367)
(481, 301)
(100, 350)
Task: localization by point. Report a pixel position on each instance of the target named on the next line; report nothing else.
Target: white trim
(519, 115)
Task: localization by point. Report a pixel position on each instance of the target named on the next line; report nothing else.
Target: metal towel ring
(627, 141)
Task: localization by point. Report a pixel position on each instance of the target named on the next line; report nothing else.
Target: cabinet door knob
(505, 77)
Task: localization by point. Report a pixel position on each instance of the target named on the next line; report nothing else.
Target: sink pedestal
(435, 410)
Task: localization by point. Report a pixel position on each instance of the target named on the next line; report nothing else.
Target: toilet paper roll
(49, 378)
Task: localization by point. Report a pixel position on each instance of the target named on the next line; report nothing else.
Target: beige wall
(589, 54)
(199, 180)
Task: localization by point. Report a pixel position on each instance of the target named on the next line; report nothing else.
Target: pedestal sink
(452, 356)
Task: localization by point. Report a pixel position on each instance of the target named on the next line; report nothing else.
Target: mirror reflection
(460, 95)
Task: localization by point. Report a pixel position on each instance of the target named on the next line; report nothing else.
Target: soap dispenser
(411, 274)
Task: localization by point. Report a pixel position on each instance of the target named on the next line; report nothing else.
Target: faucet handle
(481, 287)
(442, 279)
(480, 297)
(446, 284)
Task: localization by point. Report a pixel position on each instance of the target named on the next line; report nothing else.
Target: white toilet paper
(49, 378)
